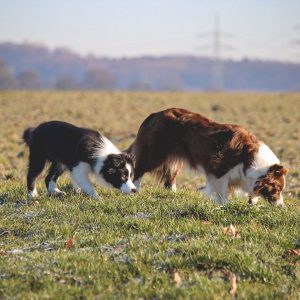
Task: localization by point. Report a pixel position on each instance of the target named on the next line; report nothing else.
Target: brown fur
(168, 138)
(271, 185)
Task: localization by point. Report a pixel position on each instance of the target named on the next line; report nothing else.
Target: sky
(262, 29)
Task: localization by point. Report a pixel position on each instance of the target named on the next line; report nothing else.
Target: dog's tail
(27, 135)
(167, 172)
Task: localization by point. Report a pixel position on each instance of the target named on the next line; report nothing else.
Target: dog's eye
(111, 171)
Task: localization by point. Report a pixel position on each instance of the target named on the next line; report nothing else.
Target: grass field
(155, 244)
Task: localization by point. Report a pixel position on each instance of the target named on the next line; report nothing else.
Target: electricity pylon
(217, 49)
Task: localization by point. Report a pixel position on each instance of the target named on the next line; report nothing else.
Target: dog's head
(270, 186)
(118, 169)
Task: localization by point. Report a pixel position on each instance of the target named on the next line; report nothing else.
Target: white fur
(254, 200)
(54, 190)
(173, 187)
(76, 187)
(128, 186)
(279, 202)
(80, 175)
(101, 154)
(263, 159)
(106, 148)
(217, 188)
(33, 194)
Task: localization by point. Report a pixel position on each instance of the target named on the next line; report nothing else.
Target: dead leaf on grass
(70, 242)
(233, 284)
(2, 252)
(207, 222)
(294, 252)
(231, 230)
(177, 279)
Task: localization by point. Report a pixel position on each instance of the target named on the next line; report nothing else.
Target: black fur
(65, 146)
(114, 168)
(27, 135)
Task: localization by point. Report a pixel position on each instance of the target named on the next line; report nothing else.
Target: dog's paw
(33, 194)
(56, 193)
(76, 190)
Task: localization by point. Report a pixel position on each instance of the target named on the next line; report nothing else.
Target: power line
(217, 47)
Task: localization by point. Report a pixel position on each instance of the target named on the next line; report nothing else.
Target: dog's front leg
(76, 187)
(253, 200)
(80, 178)
(137, 183)
(216, 189)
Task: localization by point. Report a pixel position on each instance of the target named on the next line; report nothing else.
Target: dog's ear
(263, 187)
(130, 157)
(259, 185)
(115, 160)
(278, 170)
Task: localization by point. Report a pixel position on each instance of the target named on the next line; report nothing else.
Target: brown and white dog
(228, 155)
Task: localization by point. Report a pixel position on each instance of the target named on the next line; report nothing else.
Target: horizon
(260, 31)
(154, 56)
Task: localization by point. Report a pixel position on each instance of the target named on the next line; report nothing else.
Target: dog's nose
(134, 190)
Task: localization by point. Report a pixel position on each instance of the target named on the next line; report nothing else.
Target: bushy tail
(27, 135)
(168, 170)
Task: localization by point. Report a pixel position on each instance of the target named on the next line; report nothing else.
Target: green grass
(129, 247)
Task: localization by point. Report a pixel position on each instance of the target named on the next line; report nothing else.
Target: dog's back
(63, 142)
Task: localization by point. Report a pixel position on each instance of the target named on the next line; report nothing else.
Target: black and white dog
(81, 151)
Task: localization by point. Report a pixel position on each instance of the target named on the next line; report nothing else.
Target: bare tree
(66, 82)
(139, 86)
(28, 79)
(7, 80)
(99, 80)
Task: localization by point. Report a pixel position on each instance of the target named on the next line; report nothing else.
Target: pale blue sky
(117, 28)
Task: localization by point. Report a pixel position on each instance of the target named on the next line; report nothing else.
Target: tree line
(95, 79)
(28, 66)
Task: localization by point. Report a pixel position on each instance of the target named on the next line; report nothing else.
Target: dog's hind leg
(171, 171)
(35, 167)
(55, 171)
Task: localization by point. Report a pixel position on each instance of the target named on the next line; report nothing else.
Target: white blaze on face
(128, 186)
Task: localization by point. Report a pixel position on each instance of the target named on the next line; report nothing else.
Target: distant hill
(39, 67)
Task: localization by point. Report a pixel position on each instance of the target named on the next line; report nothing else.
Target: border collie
(79, 150)
(229, 155)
